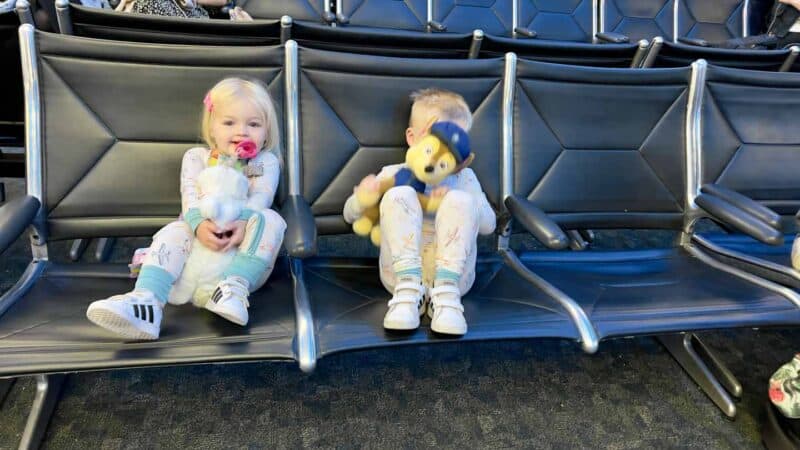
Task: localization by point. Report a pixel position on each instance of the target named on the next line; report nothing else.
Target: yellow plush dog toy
(444, 151)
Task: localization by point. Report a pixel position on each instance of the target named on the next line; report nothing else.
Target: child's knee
(458, 200)
(399, 195)
(274, 222)
(175, 230)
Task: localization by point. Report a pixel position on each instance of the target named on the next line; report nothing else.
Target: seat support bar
(48, 389)
(694, 357)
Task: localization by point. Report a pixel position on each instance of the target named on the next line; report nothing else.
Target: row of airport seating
(559, 148)
(566, 20)
(636, 33)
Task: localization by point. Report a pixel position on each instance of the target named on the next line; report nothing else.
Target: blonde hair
(445, 105)
(239, 88)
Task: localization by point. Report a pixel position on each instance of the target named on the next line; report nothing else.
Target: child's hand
(436, 197)
(211, 236)
(238, 234)
(368, 192)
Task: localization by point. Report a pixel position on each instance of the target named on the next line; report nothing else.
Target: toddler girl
(235, 111)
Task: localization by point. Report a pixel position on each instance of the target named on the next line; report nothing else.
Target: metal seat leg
(48, 389)
(693, 357)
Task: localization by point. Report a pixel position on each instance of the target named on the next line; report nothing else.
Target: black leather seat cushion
(47, 330)
(348, 302)
(658, 291)
(680, 55)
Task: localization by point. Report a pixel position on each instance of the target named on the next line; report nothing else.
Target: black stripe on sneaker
(216, 296)
(144, 312)
(150, 310)
(136, 310)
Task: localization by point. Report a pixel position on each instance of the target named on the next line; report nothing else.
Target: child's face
(234, 122)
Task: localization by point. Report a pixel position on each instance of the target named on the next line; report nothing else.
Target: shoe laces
(402, 294)
(452, 302)
(231, 287)
(136, 297)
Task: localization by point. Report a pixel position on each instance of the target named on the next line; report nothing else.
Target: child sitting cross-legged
(240, 127)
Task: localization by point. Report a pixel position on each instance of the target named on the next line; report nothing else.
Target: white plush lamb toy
(223, 193)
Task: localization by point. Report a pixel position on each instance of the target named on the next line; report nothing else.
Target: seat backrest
(601, 148)
(116, 119)
(638, 19)
(714, 21)
(107, 24)
(463, 16)
(750, 141)
(395, 14)
(354, 110)
(12, 107)
(382, 41)
(558, 20)
(575, 53)
(307, 10)
(681, 55)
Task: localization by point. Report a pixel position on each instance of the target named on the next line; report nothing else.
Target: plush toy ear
(466, 163)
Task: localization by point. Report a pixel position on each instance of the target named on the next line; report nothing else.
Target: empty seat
(754, 150)
(394, 14)
(577, 53)
(638, 19)
(669, 54)
(558, 20)
(713, 21)
(105, 165)
(492, 16)
(625, 168)
(304, 10)
(384, 41)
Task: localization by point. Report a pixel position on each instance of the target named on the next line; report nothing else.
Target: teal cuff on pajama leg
(156, 280)
(447, 275)
(249, 267)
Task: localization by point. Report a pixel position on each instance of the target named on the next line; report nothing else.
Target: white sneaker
(135, 315)
(405, 307)
(229, 300)
(446, 310)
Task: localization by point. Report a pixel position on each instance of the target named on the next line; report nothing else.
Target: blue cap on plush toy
(454, 137)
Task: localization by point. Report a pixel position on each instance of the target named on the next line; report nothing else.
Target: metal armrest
(696, 42)
(15, 217)
(300, 239)
(328, 17)
(341, 19)
(613, 38)
(525, 32)
(536, 221)
(436, 26)
(745, 203)
(737, 218)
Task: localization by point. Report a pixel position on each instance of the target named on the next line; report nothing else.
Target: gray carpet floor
(506, 394)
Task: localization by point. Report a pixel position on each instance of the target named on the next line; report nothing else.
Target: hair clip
(208, 103)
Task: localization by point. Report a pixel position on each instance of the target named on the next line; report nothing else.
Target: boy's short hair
(447, 105)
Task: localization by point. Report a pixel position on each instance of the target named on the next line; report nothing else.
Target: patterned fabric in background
(172, 8)
(784, 388)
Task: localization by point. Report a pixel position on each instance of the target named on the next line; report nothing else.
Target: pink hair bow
(208, 103)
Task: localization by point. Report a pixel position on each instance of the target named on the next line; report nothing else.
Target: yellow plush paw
(433, 204)
(375, 236)
(362, 226)
(368, 198)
